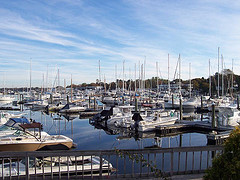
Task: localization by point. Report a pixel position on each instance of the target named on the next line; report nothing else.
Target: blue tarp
(21, 120)
(99, 103)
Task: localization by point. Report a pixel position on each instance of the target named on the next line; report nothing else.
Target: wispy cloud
(74, 35)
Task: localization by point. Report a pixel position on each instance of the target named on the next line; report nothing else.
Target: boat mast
(30, 74)
(123, 75)
(116, 77)
(190, 85)
(71, 89)
(139, 82)
(232, 80)
(168, 77)
(42, 91)
(47, 79)
(65, 91)
(144, 73)
(4, 89)
(218, 74)
(179, 75)
(142, 77)
(210, 83)
(135, 78)
(157, 77)
(222, 77)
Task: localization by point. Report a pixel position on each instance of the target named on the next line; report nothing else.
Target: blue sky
(73, 35)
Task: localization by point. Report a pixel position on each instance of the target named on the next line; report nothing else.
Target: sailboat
(4, 97)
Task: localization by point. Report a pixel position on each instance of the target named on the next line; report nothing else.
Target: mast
(130, 82)
(30, 75)
(144, 84)
(42, 91)
(71, 89)
(105, 88)
(232, 80)
(142, 76)
(99, 70)
(4, 89)
(65, 91)
(135, 79)
(123, 75)
(139, 82)
(116, 77)
(58, 81)
(179, 75)
(210, 83)
(157, 76)
(218, 74)
(190, 85)
(47, 79)
(168, 77)
(222, 77)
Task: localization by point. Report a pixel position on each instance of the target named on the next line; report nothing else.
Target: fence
(131, 163)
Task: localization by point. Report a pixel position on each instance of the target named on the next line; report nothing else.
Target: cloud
(74, 35)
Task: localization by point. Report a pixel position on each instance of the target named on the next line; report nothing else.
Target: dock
(216, 135)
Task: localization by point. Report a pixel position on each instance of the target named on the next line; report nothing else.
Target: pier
(217, 134)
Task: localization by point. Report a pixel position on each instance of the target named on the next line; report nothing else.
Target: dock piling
(136, 105)
(213, 116)
(172, 101)
(237, 102)
(181, 109)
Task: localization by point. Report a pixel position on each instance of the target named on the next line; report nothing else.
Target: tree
(227, 165)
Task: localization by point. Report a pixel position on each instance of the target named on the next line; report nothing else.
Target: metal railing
(128, 163)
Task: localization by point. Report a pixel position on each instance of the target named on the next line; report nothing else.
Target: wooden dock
(217, 137)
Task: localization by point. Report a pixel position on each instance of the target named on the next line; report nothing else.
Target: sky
(75, 35)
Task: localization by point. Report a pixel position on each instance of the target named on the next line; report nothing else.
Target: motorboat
(149, 123)
(39, 105)
(4, 116)
(191, 103)
(229, 115)
(18, 134)
(12, 125)
(6, 98)
(72, 109)
(122, 116)
(104, 115)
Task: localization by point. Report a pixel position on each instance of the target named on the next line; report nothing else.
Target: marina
(119, 89)
(116, 129)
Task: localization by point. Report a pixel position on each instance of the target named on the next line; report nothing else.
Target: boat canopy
(12, 121)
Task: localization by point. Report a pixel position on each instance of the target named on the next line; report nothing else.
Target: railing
(107, 163)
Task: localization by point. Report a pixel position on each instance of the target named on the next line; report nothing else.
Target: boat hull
(34, 146)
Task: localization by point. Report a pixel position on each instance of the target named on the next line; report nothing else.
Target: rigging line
(176, 69)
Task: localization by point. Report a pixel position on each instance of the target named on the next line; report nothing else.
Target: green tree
(227, 165)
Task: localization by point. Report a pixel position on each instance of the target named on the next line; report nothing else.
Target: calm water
(87, 137)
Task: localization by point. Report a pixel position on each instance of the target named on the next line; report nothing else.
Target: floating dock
(216, 135)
